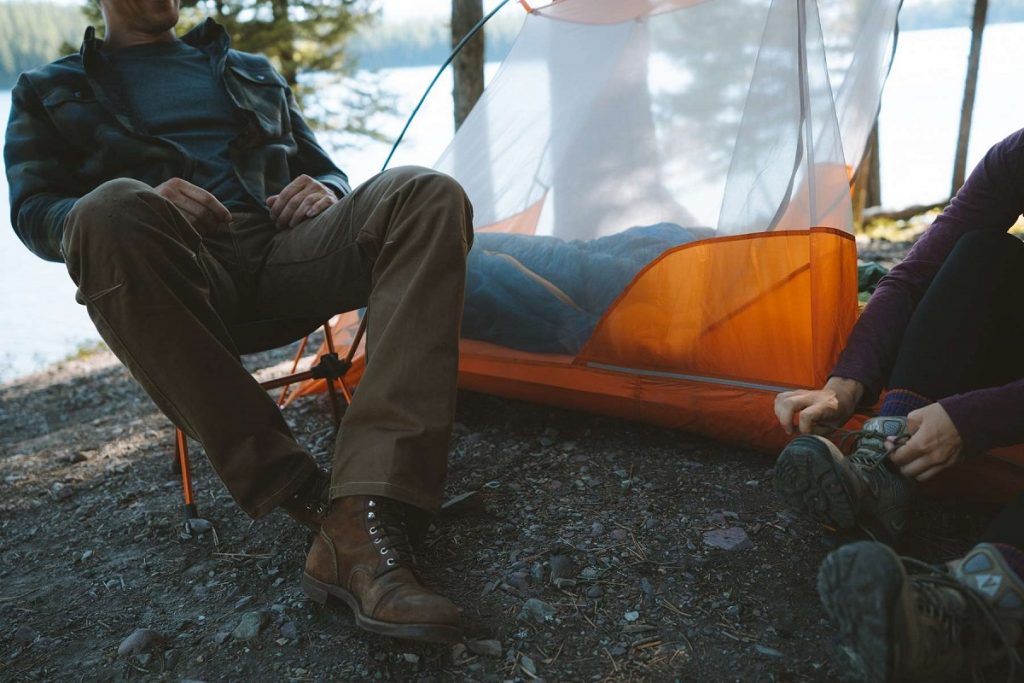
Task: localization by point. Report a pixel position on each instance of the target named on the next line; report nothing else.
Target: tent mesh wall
(661, 193)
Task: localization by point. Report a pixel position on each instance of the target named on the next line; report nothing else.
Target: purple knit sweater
(991, 199)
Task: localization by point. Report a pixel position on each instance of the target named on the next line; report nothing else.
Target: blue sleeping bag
(546, 295)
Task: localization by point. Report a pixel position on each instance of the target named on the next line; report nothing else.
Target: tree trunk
(286, 53)
(867, 190)
(469, 65)
(970, 86)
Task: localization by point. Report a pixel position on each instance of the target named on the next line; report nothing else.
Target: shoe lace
(877, 458)
(931, 584)
(390, 533)
(312, 496)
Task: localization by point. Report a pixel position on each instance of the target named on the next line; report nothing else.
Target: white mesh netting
(731, 115)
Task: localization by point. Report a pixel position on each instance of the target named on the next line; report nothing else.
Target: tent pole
(455, 52)
(805, 110)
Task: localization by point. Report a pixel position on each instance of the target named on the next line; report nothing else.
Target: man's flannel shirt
(70, 131)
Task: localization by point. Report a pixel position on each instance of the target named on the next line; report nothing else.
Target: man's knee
(113, 198)
(444, 192)
(101, 216)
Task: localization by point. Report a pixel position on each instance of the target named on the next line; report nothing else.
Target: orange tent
(735, 121)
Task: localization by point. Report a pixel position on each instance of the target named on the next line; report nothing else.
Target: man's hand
(206, 214)
(303, 198)
(935, 444)
(819, 411)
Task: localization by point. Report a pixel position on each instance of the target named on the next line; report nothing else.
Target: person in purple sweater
(944, 333)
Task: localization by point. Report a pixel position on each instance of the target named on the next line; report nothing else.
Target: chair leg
(181, 449)
(332, 392)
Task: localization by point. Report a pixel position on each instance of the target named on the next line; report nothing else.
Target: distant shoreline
(399, 44)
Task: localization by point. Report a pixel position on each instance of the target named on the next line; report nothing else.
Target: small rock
(60, 491)
(220, 636)
(529, 666)
(197, 526)
(243, 601)
(288, 630)
(631, 616)
(458, 651)
(537, 610)
(26, 635)
(595, 592)
(731, 539)
(170, 659)
(561, 567)
(590, 573)
(140, 640)
(144, 659)
(537, 572)
(77, 457)
(519, 581)
(411, 658)
(250, 626)
(769, 652)
(596, 529)
(617, 650)
(464, 502)
(561, 583)
(486, 648)
(620, 535)
(647, 588)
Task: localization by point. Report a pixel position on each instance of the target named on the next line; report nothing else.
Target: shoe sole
(860, 586)
(321, 592)
(808, 478)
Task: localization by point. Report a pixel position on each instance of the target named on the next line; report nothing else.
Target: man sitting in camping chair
(188, 197)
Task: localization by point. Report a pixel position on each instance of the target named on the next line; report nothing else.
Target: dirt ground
(580, 548)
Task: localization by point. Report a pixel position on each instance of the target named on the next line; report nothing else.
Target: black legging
(968, 333)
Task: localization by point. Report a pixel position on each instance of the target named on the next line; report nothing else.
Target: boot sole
(321, 592)
(808, 478)
(860, 586)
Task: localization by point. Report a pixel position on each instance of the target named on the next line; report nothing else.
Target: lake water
(40, 321)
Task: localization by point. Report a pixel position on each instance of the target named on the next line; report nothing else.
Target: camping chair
(328, 367)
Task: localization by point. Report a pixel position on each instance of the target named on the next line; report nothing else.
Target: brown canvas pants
(165, 300)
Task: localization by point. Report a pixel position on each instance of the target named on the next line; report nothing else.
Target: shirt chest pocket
(265, 94)
(78, 117)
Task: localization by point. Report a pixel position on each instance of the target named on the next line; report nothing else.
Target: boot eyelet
(372, 504)
(377, 540)
(373, 529)
(391, 562)
(371, 515)
(383, 551)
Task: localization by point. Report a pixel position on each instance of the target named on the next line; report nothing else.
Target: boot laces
(389, 532)
(932, 586)
(869, 455)
(312, 495)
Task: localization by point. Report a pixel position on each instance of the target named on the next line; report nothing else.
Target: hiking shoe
(903, 620)
(985, 570)
(363, 557)
(308, 505)
(864, 490)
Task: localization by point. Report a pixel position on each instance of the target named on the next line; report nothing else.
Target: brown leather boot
(308, 505)
(362, 556)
